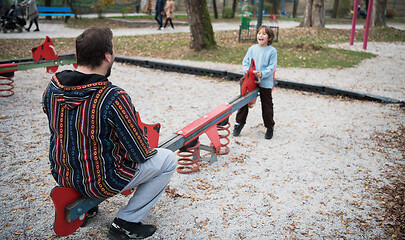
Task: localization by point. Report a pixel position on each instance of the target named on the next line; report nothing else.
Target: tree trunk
(306, 20)
(201, 32)
(318, 13)
(234, 7)
(48, 4)
(276, 4)
(335, 8)
(295, 5)
(214, 3)
(70, 3)
(378, 13)
(314, 15)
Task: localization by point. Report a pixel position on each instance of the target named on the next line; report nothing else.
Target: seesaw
(70, 214)
(42, 56)
(70, 206)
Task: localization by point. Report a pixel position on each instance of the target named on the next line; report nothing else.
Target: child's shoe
(269, 133)
(237, 129)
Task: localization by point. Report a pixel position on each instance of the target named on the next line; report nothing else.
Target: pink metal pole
(369, 11)
(356, 3)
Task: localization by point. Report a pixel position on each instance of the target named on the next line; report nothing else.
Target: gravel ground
(314, 180)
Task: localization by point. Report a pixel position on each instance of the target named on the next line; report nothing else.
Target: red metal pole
(369, 11)
(356, 3)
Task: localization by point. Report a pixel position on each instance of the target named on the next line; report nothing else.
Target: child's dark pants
(267, 109)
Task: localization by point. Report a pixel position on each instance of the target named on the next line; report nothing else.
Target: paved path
(59, 30)
(54, 30)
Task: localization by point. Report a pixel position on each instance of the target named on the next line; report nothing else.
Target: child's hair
(269, 33)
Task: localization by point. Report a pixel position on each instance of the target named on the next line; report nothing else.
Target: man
(160, 6)
(96, 145)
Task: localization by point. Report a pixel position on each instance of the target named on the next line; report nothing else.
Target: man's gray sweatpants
(151, 178)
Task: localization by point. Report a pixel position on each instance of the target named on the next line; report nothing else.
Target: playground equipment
(189, 158)
(247, 31)
(273, 23)
(6, 85)
(43, 56)
(71, 207)
(71, 211)
(367, 27)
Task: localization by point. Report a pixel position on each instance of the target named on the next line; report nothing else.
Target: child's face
(262, 38)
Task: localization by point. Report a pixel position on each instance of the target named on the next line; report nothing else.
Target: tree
(234, 4)
(276, 5)
(48, 4)
(214, 3)
(295, 5)
(335, 8)
(101, 5)
(70, 4)
(314, 15)
(201, 32)
(378, 13)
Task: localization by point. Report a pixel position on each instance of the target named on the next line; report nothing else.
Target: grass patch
(306, 48)
(305, 57)
(297, 47)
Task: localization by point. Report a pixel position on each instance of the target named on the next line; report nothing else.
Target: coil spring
(7, 90)
(188, 161)
(224, 132)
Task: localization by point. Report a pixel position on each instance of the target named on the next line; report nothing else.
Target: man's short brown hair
(92, 45)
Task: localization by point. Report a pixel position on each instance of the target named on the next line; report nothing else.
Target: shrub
(391, 13)
(267, 7)
(227, 12)
(344, 8)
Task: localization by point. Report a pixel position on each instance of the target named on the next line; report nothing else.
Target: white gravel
(314, 179)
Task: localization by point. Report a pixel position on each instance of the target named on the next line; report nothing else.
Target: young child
(265, 57)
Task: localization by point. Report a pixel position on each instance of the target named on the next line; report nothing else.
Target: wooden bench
(56, 11)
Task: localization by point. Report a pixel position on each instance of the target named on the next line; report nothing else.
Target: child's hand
(258, 74)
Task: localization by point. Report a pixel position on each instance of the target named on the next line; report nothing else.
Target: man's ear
(109, 57)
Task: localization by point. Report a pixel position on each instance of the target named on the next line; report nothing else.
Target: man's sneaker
(121, 229)
(237, 129)
(269, 133)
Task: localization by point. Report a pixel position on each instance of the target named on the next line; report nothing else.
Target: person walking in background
(137, 6)
(32, 13)
(265, 57)
(169, 12)
(160, 6)
(96, 144)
